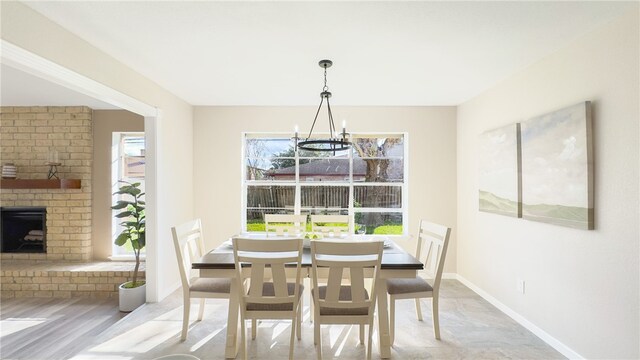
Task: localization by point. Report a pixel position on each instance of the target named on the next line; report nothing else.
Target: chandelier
(335, 142)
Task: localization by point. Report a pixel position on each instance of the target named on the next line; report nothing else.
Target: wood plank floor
(49, 328)
(471, 329)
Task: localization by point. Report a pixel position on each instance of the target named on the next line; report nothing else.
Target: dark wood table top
(393, 258)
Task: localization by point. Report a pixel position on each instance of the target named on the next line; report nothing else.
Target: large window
(366, 182)
(127, 164)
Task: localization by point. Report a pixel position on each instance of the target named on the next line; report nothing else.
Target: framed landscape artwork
(557, 167)
(499, 167)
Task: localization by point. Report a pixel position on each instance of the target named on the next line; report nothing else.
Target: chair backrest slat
(357, 283)
(433, 240)
(340, 255)
(189, 246)
(330, 225)
(283, 225)
(279, 279)
(333, 283)
(267, 259)
(363, 261)
(257, 278)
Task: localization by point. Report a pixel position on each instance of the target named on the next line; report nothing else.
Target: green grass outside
(255, 227)
(388, 230)
(379, 230)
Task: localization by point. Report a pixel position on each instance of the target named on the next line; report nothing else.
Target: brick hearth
(64, 280)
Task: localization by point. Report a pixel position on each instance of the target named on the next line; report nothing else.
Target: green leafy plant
(132, 213)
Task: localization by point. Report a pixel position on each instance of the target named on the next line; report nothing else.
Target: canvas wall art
(557, 167)
(499, 172)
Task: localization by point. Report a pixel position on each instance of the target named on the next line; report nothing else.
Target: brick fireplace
(65, 269)
(27, 135)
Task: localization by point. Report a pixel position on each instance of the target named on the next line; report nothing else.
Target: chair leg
(201, 309)
(299, 322)
(311, 304)
(436, 320)
(418, 310)
(361, 334)
(254, 328)
(317, 339)
(370, 344)
(316, 333)
(312, 312)
(185, 317)
(392, 320)
(316, 325)
(243, 337)
(294, 326)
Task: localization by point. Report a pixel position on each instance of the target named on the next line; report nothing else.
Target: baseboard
(546, 337)
(450, 276)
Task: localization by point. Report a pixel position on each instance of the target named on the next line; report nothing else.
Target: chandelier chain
(325, 87)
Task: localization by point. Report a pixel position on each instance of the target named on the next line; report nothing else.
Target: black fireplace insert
(23, 229)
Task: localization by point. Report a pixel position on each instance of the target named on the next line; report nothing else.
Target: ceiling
(21, 89)
(384, 53)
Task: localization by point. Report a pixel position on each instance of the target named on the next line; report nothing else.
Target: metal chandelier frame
(333, 143)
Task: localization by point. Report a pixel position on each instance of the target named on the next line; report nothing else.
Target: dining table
(396, 263)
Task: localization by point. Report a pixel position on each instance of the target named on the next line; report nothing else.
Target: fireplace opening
(23, 229)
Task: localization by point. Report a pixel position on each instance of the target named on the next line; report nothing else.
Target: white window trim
(116, 254)
(404, 210)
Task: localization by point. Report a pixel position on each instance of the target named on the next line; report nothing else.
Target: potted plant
(133, 293)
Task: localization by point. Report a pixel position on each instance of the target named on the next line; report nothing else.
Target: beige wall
(581, 286)
(217, 156)
(174, 204)
(105, 122)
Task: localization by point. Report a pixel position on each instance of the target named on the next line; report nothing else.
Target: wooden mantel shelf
(40, 184)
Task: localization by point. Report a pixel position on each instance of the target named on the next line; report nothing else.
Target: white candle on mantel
(296, 131)
(53, 156)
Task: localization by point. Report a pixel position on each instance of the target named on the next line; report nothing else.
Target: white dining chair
(189, 245)
(330, 225)
(285, 225)
(434, 239)
(351, 303)
(288, 225)
(275, 299)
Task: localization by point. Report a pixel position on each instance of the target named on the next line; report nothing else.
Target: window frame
(350, 183)
(117, 173)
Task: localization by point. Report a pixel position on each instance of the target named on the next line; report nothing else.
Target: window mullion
(245, 186)
(297, 200)
(351, 193)
(405, 186)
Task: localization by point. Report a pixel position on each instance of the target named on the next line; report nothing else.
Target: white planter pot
(131, 298)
